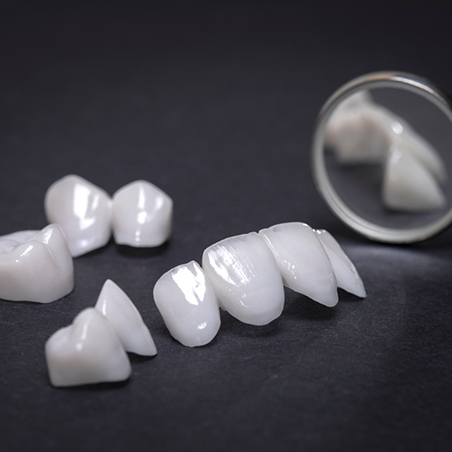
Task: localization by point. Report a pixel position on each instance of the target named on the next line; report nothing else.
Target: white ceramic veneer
(245, 278)
(118, 308)
(302, 261)
(188, 305)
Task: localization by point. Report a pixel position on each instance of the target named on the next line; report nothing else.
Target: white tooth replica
(82, 210)
(362, 131)
(355, 132)
(117, 307)
(35, 266)
(188, 305)
(88, 351)
(408, 185)
(142, 215)
(245, 278)
(346, 275)
(302, 261)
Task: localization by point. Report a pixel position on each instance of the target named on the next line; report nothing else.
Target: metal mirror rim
(385, 79)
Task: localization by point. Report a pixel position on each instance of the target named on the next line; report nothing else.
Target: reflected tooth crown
(302, 261)
(35, 266)
(114, 304)
(346, 274)
(82, 210)
(408, 185)
(245, 278)
(142, 215)
(188, 305)
(88, 351)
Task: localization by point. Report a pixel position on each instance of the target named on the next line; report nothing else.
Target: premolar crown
(142, 215)
(82, 210)
(88, 351)
(35, 266)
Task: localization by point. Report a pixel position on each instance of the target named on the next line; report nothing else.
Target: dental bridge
(244, 275)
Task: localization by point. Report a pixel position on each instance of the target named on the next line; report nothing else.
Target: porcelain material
(408, 185)
(188, 305)
(88, 351)
(302, 261)
(346, 275)
(82, 210)
(245, 278)
(35, 266)
(362, 131)
(142, 215)
(117, 307)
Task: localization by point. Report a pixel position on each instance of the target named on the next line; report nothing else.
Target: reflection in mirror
(387, 156)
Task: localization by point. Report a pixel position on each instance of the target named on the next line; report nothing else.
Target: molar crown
(35, 265)
(83, 211)
(142, 215)
(188, 305)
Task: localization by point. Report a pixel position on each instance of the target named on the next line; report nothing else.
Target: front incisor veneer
(245, 278)
(188, 305)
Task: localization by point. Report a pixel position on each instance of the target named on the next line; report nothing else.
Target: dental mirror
(382, 156)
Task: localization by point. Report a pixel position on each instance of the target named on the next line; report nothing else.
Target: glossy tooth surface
(408, 185)
(355, 132)
(302, 261)
(245, 278)
(346, 274)
(134, 335)
(88, 351)
(142, 215)
(361, 131)
(82, 210)
(188, 305)
(35, 266)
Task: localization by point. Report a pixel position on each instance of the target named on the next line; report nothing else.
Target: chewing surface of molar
(35, 266)
(88, 351)
(362, 131)
(245, 278)
(188, 305)
(82, 210)
(302, 261)
(142, 215)
(408, 185)
(114, 304)
(346, 275)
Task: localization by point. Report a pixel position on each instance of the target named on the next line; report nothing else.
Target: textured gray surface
(216, 105)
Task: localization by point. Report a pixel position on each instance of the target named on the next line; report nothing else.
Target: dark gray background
(216, 104)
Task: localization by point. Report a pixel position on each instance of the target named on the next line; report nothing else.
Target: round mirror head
(382, 156)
